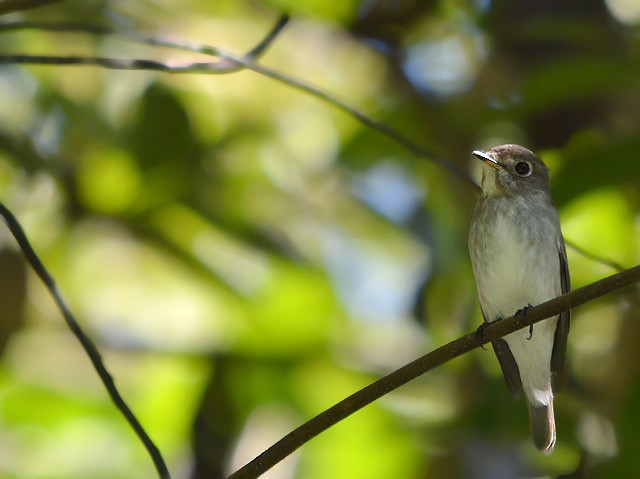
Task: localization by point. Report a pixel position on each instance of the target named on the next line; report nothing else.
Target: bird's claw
(523, 315)
(480, 335)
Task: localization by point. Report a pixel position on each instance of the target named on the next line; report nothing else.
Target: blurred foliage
(246, 255)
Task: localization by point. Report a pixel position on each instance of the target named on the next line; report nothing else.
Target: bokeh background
(246, 255)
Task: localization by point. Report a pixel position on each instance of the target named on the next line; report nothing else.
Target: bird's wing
(508, 365)
(562, 329)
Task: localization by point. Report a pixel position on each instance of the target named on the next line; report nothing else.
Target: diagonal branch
(435, 358)
(86, 342)
(225, 65)
(593, 257)
(230, 62)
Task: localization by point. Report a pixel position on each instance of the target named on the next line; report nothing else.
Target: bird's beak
(487, 158)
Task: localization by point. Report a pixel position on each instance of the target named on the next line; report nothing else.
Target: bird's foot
(480, 335)
(523, 316)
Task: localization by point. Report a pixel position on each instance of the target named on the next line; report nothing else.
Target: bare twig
(366, 120)
(230, 62)
(435, 358)
(115, 63)
(593, 257)
(86, 342)
(222, 66)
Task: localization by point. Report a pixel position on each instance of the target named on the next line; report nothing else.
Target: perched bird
(519, 260)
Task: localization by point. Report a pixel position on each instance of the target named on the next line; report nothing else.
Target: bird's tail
(543, 426)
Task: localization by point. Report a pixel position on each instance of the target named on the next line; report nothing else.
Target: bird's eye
(523, 168)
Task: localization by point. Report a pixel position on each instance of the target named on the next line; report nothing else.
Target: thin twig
(366, 120)
(593, 257)
(223, 66)
(226, 65)
(86, 342)
(492, 331)
(114, 63)
(231, 62)
(229, 66)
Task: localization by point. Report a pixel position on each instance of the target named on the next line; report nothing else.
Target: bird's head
(512, 170)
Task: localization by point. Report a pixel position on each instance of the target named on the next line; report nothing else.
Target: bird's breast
(515, 260)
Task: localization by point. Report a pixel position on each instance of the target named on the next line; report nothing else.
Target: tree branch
(117, 63)
(593, 257)
(435, 358)
(86, 342)
(230, 62)
(226, 65)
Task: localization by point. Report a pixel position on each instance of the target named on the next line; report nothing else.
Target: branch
(593, 257)
(230, 62)
(435, 358)
(223, 66)
(86, 342)
(379, 126)
(117, 63)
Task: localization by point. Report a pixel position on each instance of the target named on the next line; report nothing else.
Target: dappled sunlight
(264, 427)
(625, 11)
(595, 336)
(141, 298)
(246, 252)
(602, 222)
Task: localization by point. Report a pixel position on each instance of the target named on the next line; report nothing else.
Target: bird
(519, 260)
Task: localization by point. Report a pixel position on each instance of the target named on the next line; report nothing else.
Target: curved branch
(230, 62)
(86, 342)
(435, 358)
(226, 65)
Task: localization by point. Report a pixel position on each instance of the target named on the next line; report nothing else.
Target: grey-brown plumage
(519, 259)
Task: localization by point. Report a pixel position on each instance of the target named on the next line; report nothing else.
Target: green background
(246, 255)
